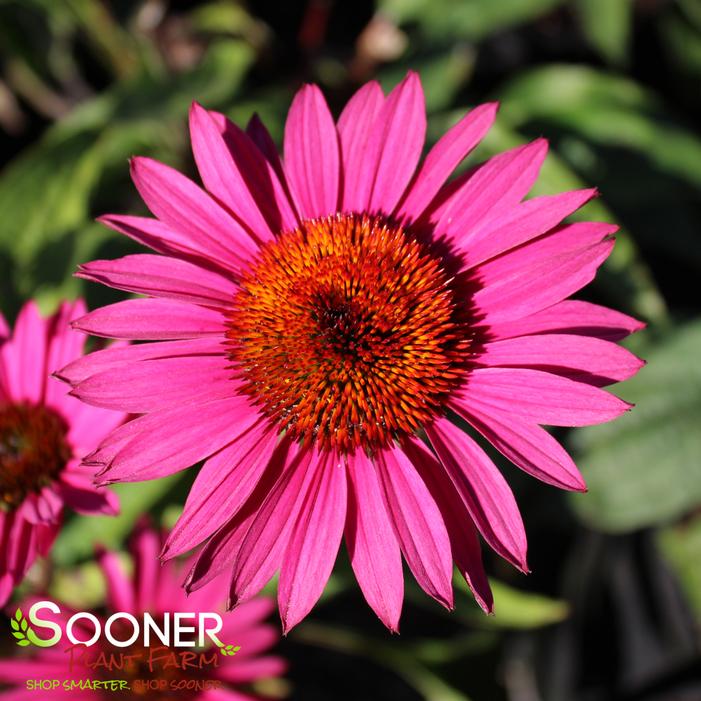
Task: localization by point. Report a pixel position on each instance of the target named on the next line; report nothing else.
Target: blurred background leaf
(644, 469)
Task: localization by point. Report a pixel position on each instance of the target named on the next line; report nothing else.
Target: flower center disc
(347, 332)
(33, 451)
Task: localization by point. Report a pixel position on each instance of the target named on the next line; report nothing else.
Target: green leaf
(18, 614)
(607, 24)
(443, 73)
(23, 643)
(609, 128)
(82, 587)
(14, 624)
(467, 19)
(608, 109)
(50, 193)
(18, 634)
(23, 624)
(514, 608)
(643, 469)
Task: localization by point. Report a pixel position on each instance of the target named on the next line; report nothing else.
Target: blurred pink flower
(155, 590)
(43, 434)
(317, 318)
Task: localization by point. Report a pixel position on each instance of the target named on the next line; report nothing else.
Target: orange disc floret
(33, 451)
(347, 331)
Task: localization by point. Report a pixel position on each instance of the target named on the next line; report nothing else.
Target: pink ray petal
(24, 356)
(161, 276)
(114, 441)
(159, 237)
(312, 161)
(526, 444)
(250, 617)
(262, 638)
(564, 239)
(502, 181)
(182, 205)
(265, 542)
(418, 524)
(221, 488)
(156, 384)
(64, 345)
(261, 171)
(581, 358)
(314, 542)
(444, 201)
(444, 158)
(483, 490)
(144, 546)
(571, 316)
(464, 542)
(90, 425)
(44, 507)
(395, 144)
(260, 136)
(187, 434)
(541, 397)
(151, 319)
(120, 354)
(520, 224)
(536, 285)
(221, 174)
(354, 128)
(372, 544)
(80, 494)
(120, 593)
(222, 549)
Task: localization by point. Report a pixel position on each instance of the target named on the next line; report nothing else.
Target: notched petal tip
(79, 324)
(57, 375)
(107, 219)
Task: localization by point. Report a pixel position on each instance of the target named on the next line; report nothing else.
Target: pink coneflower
(321, 321)
(43, 434)
(156, 671)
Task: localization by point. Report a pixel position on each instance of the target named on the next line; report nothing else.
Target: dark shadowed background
(613, 606)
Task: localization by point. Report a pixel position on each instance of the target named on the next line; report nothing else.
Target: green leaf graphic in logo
(228, 650)
(24, 633)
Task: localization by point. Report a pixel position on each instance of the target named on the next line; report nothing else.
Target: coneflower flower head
(319, 322)
(43, 434)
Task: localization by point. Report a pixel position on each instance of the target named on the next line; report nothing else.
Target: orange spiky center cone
(348, 332)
